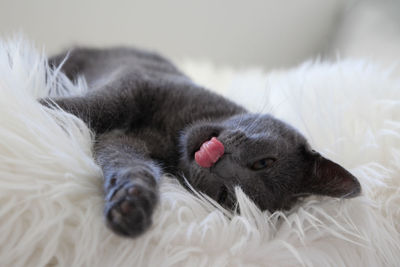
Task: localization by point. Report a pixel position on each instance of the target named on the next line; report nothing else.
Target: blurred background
(260, 33)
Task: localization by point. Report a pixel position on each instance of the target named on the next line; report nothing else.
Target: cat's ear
(329, 178)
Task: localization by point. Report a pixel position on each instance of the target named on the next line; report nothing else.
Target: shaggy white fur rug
(51, 194)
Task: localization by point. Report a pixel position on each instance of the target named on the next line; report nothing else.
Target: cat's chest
(162, 144)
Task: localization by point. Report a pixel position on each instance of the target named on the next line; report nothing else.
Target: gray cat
(151, 119)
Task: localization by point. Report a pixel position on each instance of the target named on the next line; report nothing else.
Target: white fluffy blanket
(51, 190)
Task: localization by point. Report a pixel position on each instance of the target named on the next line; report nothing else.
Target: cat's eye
(262, 164)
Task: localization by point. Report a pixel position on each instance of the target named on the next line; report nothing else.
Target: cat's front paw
(129, 207)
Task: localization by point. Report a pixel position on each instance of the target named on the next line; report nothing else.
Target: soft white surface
(51, 196)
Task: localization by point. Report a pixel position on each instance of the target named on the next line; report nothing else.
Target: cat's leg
(71, 68)
(130, 183)
(101, 111)
(99, 63)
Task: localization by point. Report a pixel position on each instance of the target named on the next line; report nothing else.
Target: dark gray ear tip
(356, 190)
(331, 179)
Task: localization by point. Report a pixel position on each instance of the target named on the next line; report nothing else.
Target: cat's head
(270, 160)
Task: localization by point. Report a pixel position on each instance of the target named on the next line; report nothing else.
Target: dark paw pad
(129, 207)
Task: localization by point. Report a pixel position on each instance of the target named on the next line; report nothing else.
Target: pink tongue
(209, 153)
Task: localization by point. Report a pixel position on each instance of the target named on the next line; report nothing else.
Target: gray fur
(150, 119)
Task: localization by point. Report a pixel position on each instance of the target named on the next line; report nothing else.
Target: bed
(51, 189)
